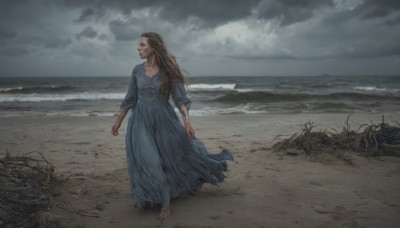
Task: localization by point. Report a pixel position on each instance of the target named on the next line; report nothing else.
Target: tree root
(368, 140)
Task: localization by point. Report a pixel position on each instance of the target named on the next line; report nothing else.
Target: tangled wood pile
(27, 186)
(367, 140)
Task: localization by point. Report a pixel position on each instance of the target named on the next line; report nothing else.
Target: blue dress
(163, 161)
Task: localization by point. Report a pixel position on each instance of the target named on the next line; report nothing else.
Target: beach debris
(367, 140)
(27, 187)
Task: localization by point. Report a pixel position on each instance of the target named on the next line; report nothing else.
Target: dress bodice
(146, 90)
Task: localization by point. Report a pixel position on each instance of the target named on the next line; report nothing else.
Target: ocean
(230, 95)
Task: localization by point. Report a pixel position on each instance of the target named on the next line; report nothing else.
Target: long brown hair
(171, 73)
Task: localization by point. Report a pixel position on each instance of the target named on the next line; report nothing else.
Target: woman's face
(145, 51)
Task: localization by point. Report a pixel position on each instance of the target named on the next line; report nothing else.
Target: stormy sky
(225, 37)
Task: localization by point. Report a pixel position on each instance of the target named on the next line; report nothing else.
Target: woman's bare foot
(165, 213)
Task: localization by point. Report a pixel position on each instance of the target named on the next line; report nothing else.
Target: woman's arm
(183, 103)
(128, 103)
(186, 121)
(118, 122)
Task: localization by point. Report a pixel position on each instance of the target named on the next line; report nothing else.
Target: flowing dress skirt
(163, 161)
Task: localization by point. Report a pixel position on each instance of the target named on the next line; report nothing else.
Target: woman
(164, 158)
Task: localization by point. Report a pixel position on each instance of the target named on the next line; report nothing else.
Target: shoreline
(201, 113)
(262, 189)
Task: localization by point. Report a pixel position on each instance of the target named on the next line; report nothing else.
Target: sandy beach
(262, 189)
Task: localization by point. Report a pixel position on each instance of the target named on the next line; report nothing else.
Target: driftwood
(368, 140)
(27, 186)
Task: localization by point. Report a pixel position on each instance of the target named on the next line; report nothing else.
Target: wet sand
(262, 189)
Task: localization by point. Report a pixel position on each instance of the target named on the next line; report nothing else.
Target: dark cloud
(377, 8)
(23, 11)
(263, 57)
(8, 3)
(13, 51)
(122, 31)
(86, 15)
(88, 32)
(393, 22)
(91, 14)
(203, 30)
(289, 11)
(57, 43)
(7, 33)
(103, 37)
(372, 51)
(211, 13)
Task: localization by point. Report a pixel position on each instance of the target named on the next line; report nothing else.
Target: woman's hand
(189, 130)
(120, 118)
(114, 129)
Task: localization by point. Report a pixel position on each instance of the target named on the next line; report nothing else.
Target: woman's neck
(150, 62)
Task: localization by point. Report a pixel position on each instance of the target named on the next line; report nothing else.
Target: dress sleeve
(131, 96)
(179, 96)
